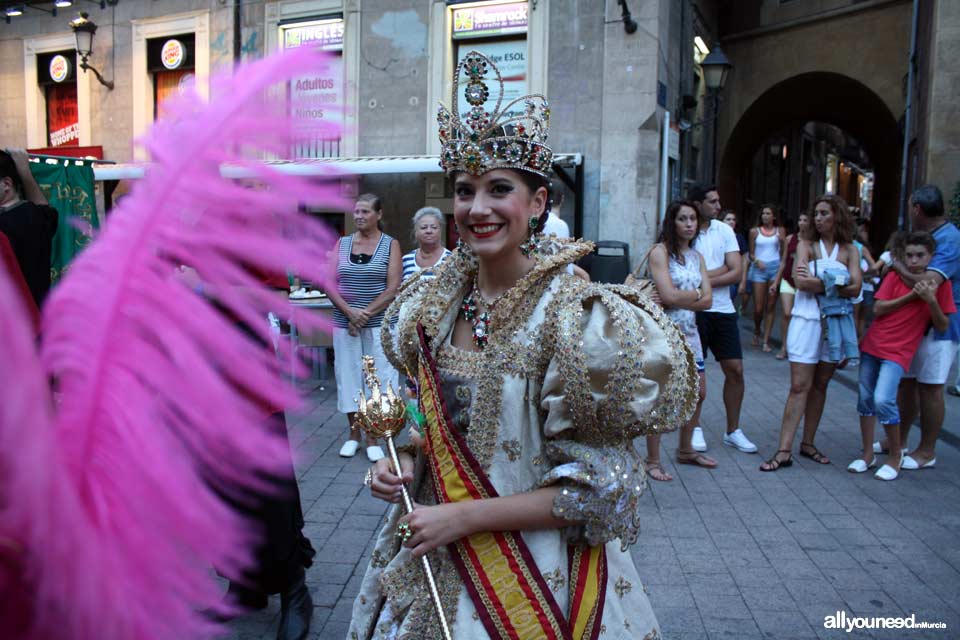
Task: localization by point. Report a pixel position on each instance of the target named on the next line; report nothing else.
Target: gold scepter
(382, 416)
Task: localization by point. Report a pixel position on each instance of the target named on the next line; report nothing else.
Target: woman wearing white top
(427, 222)
(765, 242)
(829, 247)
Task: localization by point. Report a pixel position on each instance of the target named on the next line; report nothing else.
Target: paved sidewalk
(729, 553)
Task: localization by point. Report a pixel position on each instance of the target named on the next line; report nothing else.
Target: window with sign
(317, 98)
(56, 74)
(170, 61)
(498, 30)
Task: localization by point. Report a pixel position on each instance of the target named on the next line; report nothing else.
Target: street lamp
(715, 67)
(84, 29)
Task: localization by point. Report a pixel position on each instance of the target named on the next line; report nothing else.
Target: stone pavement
(729, 553)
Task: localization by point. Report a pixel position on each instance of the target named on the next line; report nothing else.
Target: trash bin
(609, 262)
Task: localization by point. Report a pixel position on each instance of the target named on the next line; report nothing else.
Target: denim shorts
(769, 274)
(879, 380)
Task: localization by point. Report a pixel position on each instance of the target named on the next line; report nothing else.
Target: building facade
(625, 84)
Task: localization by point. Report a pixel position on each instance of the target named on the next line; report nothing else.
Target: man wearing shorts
(718, 327)
(923, 385)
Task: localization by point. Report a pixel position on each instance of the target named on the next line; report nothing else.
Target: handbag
(639, 279)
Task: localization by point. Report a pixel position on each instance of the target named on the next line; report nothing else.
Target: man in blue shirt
(922, 387)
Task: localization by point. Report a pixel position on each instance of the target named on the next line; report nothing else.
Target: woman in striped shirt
(368, 270)
(427, 223)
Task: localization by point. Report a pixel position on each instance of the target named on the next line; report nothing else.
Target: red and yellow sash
(507, 589)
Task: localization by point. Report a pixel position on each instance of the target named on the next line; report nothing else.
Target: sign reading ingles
(325, 34)
(490, 20)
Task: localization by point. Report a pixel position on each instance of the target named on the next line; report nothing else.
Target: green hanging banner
(69, 188)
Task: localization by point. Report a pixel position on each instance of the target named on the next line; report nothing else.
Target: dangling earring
(529, 246)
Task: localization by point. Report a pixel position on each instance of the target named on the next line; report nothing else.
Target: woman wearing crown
(532, 385)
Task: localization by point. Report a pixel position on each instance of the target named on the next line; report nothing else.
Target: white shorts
(932, 361)
(348, 352)
(805, 341)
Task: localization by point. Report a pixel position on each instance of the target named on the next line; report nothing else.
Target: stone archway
(828, 97)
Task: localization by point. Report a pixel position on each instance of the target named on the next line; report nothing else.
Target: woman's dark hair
(795, 223)
(843, 222)
(895, 244)
(375, 203)
(668, 234)
(775, 209)
(921, 238)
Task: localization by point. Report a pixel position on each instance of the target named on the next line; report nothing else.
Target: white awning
(366, 165)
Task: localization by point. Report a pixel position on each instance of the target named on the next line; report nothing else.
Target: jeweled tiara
(483, 141)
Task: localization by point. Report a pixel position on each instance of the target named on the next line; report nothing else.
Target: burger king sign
(59, 68)
(172, 54)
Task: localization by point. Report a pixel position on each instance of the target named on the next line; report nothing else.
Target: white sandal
(859, 466)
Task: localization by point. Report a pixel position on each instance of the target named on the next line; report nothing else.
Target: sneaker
(349, 449)
(739, 441)
(699, 444)
(374, 453)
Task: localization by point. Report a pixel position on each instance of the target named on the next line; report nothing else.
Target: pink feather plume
(161, 396)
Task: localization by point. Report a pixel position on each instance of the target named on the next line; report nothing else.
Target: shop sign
(510, 56)
(172, 54)
(317, 99)
(59, 68)
(324, 34)
(490, 20)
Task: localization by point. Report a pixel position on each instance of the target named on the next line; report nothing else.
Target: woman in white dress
(533, 385)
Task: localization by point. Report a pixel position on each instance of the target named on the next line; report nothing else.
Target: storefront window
(57, 75)
(498, 30)
(318, 97)
(171, 62)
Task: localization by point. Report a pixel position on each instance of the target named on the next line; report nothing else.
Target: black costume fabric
(30, 229)
(285, 552)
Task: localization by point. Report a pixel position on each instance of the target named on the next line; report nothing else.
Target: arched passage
(827, 97)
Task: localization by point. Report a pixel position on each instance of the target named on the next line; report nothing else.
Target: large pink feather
(162, 396)
(26, 443)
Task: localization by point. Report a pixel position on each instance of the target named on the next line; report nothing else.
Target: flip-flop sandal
(781, 356)
(774, 465)
(654, 469)
(696, 459)
(815, 455)
(766, 348)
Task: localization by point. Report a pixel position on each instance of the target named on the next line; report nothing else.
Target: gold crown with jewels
(479, 141)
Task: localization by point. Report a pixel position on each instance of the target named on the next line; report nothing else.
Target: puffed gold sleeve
(619, 369)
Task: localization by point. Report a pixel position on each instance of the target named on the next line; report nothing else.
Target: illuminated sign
(490, 20)
(324, 34)
(172, 54)
(59, 68)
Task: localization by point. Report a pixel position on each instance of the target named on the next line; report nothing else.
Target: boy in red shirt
(902, 315)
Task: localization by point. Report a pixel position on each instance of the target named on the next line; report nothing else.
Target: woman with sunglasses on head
(829, 249)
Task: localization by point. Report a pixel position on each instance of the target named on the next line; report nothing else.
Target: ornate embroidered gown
(572, 373)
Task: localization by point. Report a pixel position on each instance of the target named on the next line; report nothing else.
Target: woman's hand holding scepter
(382, 416)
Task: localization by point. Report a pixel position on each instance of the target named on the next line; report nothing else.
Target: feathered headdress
(112, 509)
